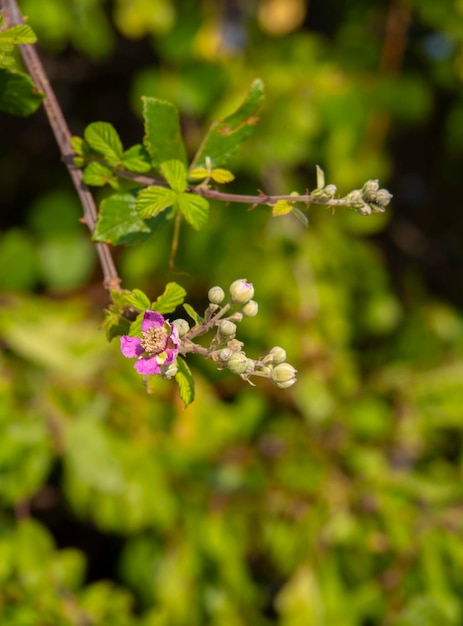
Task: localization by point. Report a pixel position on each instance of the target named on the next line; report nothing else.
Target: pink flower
(157, 347)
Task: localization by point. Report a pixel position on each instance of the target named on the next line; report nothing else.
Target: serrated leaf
(185, 382)
(97, 175)
(135, 326)
(163, 139)
(222, 176)
(18, 34)
(119, 221)
(152, 200)
(138, 299)
(173, 296)
(320, 177)
(103, 138)
(282, 207)
(18, 94)
(192, 313)
(136, 159)
(195, 209)
(225, 137)
(114, 325)
(175, 174)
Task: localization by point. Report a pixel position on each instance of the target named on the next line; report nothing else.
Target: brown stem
(63, 139)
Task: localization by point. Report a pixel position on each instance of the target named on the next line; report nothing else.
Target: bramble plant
(150, 184)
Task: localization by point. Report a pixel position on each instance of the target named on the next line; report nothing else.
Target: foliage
(337, 501)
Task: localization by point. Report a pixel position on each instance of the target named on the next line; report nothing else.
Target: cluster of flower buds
(162, 341)
(221, 317)
(369, 199)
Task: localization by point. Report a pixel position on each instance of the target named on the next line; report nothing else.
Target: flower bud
(383, 197)
(227, 329)
(369, 190)
(278, 355)
(241, 291)
(283, 375)
(235, 345)
(169, 371)
(216, 295)
(238, 363)
(330, 191)
(250, 309)
(182, 326)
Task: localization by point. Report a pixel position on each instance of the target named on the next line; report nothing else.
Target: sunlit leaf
(21, 34)
(103, 138)
(172, 297)
(195, 209)
(153, 200)
(97, 175)
(185, 382)
(136, 159)
(175, 174)
(119, 221)
(163, 139)
(18, 94)
(282, 207)
(192, 313)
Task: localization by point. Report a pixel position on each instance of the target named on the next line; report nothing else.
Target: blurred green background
(338, 502)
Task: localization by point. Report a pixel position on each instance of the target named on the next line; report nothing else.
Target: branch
(63, 137)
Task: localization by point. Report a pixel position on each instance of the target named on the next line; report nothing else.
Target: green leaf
(18, 94)
(77, 145)
(138, 299)
(114, 325)
(282, 207)
(103, 138)
(163, 138)
(225, 137)
(175, 174)
(119, 221)
(173, 296)
(195, 209)
(320, 177)
(185, 382)
(154, 199)
(18, 34)
(222, 176)
(136, 159)
(97, 175)
(301, 216)
(192, 313)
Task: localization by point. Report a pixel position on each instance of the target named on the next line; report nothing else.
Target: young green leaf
(225, 137)
(163, 139)
(138, 300)
(282, 207)
(192, 313)
(119, 221)
(18, 34)
(185, 382)
(103, 138)
(195, 209)
(97, 175)
(320, 177)
(153, 200)
(175, 174)
(220, 175)
(173, 296)
(18, 94)
(113, 324)
(136, 159)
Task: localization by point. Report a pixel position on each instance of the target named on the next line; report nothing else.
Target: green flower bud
(363, 209)
(283, 375)
(227, 329)
(216, 295)
(182, 326)
(170, 370)
(225, 354)
(250, 309)
(238, 363)
(278, 355)
(241, 291)
(383, 197)
(369, 190)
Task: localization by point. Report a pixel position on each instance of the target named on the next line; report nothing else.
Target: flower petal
(151, 319)
(147, 366)
(131, 347)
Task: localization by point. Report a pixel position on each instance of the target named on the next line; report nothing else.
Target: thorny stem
(262, 198)
(63, 138)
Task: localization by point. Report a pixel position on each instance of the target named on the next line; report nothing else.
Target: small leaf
(163, 139)
(18, 94)
(97, 175)
(103, 138)
(18, 34)
(185, 382)
(192, 313)
(175, 173)
(136, 159)
(225, 137)
(282, 207)
(198, 173)
(114, 325)
(153, 200)
(222, 176)
(173, 296)
(77, 145)
(301, 216)
(195, 209)
(138, 299)
(320, 177)
(119, 221)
